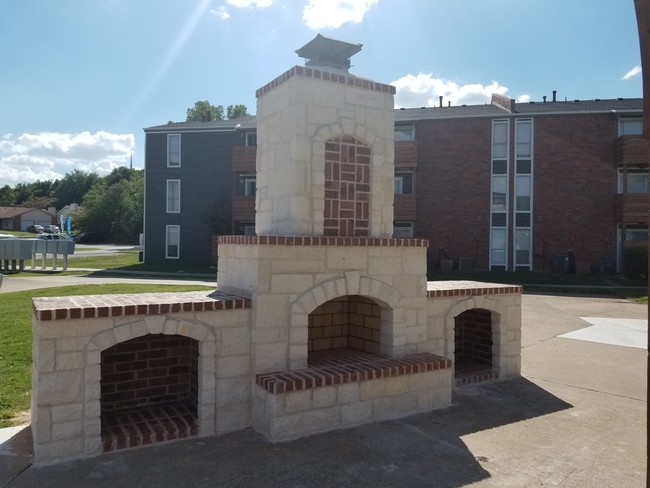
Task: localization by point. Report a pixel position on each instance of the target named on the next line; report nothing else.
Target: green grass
(16, 338)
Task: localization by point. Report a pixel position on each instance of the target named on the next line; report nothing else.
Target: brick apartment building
(542, 186)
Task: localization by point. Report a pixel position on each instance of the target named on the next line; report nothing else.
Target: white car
(52, 229)
(7, 236)
(52, 237)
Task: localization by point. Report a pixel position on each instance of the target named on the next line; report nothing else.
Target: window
(403, 183)
(636, 233)
(524, 138)
(173, 150)
(634, 180)
(173, 196)
(499, 192)
(523, 193)
(498, 247)
(500, 139)
(499, 196)
(172, 241)
(245, 228)
(628, 126)
(251, 138)
(246, 185)
(403, 229)
(404, 133)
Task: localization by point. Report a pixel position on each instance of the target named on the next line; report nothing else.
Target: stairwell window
(634, 180)
(404, 133)
(173, 196)
(173, 150)
(172, 241)
(403, 183)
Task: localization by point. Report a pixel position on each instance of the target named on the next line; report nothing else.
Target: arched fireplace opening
(473, 346)
(347, 327)
(149, 391)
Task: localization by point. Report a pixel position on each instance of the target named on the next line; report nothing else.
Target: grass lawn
(16, 338)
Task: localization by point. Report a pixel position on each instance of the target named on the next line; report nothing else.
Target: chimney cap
(326, 51)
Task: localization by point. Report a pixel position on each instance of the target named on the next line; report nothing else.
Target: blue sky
(81, 79)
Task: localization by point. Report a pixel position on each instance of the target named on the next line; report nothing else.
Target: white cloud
(49, 155)
(525, 98)
(332, 14)
(250, 3)
(220, 12)
(632, 73)
(423, 90)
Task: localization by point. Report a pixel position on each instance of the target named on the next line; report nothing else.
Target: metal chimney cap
(325, 51)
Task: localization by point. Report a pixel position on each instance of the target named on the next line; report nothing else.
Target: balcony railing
(406, 154)
(243, 158)
(631, 208)
(631, 150)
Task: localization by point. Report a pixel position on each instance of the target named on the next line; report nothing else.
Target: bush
(636, 263)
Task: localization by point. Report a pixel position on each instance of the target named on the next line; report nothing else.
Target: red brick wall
(574, 188)
(347, 188)
(574, 183)
(473, 338)
(347, 322)
(150, 370)
(453, 188)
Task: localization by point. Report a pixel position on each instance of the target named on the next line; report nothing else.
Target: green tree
(7, 196)
(203, 111)
(73, 187)
(114, 206)
(236, 111)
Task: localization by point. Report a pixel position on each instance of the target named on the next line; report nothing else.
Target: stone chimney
(325, 154)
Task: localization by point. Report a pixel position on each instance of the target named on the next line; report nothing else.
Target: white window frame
(505, 123)
(622, 174)
(173, 196)
(173, 158)
(524, 187)
(630, 126)
(519, 123)
(173, 232)
(250, 138)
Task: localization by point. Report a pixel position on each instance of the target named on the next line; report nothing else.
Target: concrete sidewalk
(576, 418)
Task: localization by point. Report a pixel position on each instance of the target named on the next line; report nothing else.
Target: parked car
(36, 229)
(7, 236)
(0, 280)
(52, 237)
(88, 238)
(52, 229)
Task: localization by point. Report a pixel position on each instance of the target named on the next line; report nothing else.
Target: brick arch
(349, 284)
(155, 324)
(497, 311)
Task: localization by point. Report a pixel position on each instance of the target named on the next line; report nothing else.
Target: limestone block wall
(297, 113)
(69, 334)
(448, 299)
(390, 389)
(289, 277)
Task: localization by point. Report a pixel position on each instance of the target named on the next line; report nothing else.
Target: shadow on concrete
(421, 450)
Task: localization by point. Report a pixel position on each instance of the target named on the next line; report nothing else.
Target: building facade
(546, 186)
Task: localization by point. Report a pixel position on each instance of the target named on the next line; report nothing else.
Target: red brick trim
(445, 289)
(303, 379)
(323, 241)
(107, 306)
(344, 79)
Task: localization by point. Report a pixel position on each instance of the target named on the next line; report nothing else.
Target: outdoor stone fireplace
(322, 320)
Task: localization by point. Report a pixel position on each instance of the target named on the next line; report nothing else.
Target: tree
(73, 187)
(236, 111)
(203, 111)
(114, 206)
(7, 196)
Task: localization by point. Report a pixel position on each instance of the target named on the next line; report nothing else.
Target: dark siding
(206, 179)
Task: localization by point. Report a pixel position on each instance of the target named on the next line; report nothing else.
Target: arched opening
(473, 346)
(346, 327)
(149, 391)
